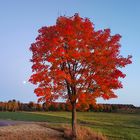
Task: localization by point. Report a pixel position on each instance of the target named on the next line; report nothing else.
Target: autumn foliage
(72, 53)
(72, 60)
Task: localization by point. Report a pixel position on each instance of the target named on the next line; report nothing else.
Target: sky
(19, 24)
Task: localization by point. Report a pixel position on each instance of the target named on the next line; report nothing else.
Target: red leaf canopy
(73, 61)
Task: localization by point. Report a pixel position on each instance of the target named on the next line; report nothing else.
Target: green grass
(27, 116)
(115, 126)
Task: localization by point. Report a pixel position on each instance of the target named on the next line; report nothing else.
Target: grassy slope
(114, 125)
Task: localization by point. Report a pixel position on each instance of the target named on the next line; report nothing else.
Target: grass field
(115, 126)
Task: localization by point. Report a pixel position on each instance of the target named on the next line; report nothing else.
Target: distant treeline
(13, 105)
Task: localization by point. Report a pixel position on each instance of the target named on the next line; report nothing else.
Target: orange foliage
(72, 60)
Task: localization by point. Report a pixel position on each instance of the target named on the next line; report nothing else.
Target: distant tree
(62, 107)
(1, 106)
(52, 107)
(12, 105)
(71, 60)
(19, 105)
(25, 107)
(38, 107)
(32, 106)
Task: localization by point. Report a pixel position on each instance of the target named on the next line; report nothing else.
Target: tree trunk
(74, 132)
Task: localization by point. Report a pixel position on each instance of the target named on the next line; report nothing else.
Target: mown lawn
(115, 126)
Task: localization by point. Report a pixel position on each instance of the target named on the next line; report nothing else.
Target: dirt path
(18, 130)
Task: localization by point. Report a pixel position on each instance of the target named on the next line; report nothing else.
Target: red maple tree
(73, 61)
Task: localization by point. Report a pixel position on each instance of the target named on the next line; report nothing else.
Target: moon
(24, 82)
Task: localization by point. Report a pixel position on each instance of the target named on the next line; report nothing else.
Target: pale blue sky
(20, 20)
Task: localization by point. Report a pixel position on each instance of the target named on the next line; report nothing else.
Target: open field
(115, 126)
